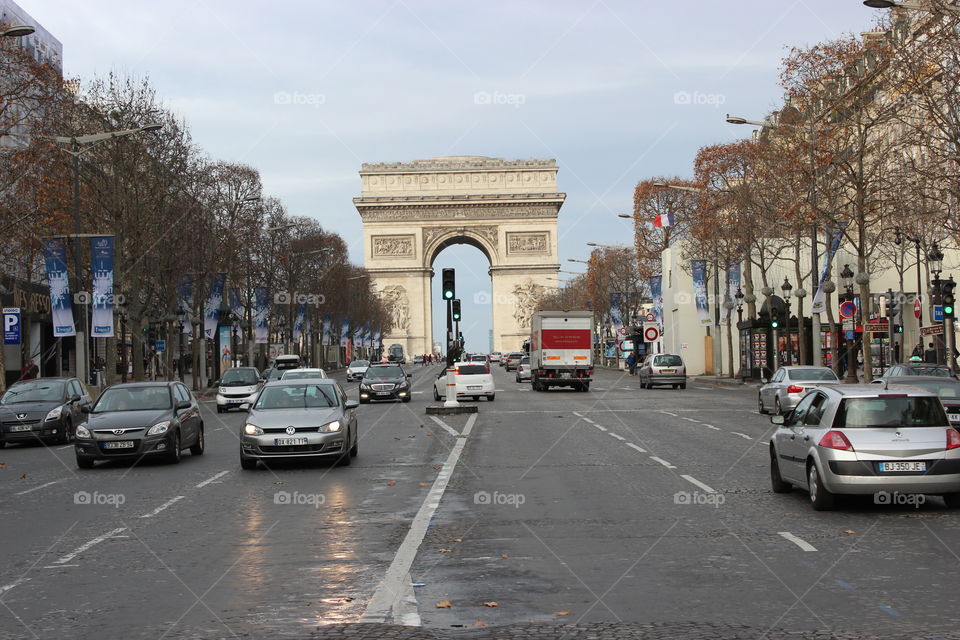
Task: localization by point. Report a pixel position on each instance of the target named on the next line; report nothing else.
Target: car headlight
(82, 432)
(365, 387)
(330, 427)
(159, 428)
(252, 430)
(54, 413)
(223, 389)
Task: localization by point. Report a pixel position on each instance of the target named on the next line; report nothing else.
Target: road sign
(622, 331)
(626, 346)
(11, 325)
(877, 326)
(650, 334)
(938, 313)
(850, 334)
(916, 308)
(849, 324)
(650, 317)
(848, 309)
(933, 330)
(161, 345)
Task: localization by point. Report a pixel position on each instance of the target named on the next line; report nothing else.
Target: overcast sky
(306, 91)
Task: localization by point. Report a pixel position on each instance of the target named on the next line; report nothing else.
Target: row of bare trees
(174, 211)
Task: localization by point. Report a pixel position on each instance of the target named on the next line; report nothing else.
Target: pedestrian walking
(632, 363)
(930, 355)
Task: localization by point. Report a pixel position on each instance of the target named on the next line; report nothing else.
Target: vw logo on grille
(21, 416)
(119, 432)
(291, 431)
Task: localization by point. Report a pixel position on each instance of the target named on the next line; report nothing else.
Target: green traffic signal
(449, 284)
(456, 310)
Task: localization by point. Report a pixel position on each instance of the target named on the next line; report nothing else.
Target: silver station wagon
(861, 439)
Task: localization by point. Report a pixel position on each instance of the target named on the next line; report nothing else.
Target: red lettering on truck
(565, 339)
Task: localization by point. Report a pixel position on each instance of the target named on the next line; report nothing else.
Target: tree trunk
(136, 348)
(110, 368)
(748, 281)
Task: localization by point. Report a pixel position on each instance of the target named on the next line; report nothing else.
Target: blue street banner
(211, 312)
(699, 272)
(185, 297)
(226, 348)
(236, 305)
(345, 334)
(55, 257)
(327, 330)
(733, 283)
(656, 293)
(378, 339)
(367, 336)
(261, 314)
(11, 325)
(616, 311)
(298, 322)
(819, 299)
(101, 255)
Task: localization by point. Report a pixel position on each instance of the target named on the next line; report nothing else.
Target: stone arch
(508, 209)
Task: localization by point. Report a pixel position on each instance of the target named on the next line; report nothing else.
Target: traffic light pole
(451, 396)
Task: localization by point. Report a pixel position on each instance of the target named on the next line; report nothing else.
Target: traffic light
(774, 318)
(449, 284)
(893, 304)
(151, 336)
(456, 310)
(948, 298)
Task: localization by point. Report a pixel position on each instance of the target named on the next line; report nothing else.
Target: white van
(287, 361)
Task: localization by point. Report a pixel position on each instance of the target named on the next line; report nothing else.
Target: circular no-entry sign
(650, 317)
(650, 334)
(916, 308)
(848, 309)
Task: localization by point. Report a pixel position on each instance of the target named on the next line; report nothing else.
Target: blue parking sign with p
(11, 325)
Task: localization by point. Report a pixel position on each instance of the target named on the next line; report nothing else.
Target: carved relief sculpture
(395, 298)
(528, 243)
(393, 246)
(527, 295)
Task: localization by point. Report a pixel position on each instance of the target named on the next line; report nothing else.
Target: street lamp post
(787, 290)
(181, 316)
(846, 281)
(935, 260)
(739, 297)
(897, 240)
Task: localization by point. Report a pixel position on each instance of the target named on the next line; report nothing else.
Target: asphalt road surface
(617, 513)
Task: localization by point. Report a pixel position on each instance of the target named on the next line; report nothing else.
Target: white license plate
(237, 401)
(474, 387)
(382, 393)
(902, 466)
(121, 444)
(954, 417)
(281, 442)
(565, 374)
(667, 371)
(20, 427)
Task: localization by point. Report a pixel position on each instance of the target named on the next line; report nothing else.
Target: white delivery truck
(561, 349)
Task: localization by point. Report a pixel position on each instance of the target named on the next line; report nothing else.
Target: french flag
(663, 220)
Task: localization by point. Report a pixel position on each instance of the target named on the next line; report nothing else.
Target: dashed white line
(742, 435)
(803, 544)
(588, 421)
(213, 479)
(578, 414)
(693, 480)
(13, 584)
(633, 446)
(663, 462)
(37, 488)
(669, 414)
(68, 446)
(599, 427)
(162, 507)
(689, 419)
(613, 435)
(86, 545)
(710, 426)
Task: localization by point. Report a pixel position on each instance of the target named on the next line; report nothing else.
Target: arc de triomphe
(412, 211)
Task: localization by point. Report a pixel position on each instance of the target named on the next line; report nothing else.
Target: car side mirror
(183, 404)
(764, 381)
(85, 408)
(75, 397)
(778, 419)
(351, 404)
(245, 406)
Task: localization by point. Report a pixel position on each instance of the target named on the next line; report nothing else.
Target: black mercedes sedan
(385, 382)
(42, 410)
(139, 420)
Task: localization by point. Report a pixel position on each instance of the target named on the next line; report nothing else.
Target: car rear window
(667, 361)
(812, 375)
(890, 411)
(471, 369)
(941, 372)
(948, 389)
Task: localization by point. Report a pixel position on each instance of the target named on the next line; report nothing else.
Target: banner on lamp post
(616, 312)
(327, 327)
(185, 298)
(298, 322)
(819, 298)
(262, 315)
(101, 255)
(345, 334)
(211, 312)
(699, 272)
(226, 347)
(656, 293)
(61, 310)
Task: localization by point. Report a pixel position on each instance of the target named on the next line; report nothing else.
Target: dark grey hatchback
(42, 410)
(138, 420)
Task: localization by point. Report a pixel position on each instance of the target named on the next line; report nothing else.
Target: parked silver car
(297, 419)
(860, 439)
(783, 391)
(524, 372)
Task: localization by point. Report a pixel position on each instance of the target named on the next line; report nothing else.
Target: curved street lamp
(890, 4)
(17, 31)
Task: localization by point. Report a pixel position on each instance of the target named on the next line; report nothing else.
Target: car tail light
(953, 439)
(836, 440)
(794, 389)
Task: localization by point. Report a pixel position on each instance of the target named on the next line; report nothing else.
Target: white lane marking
(212, 479)
(803, 544)
(706, 388)
(669, 414)
(390, 602)
(613, 435)
(13, 584)
(578, 414)
(633, 446)
(693, 480)
(68, 446)
(589, 421)
(626, 388)
(416, 392)
(742, 435)
(710, 426)
(599, 427)
(59, 566)
(448, 428)
(86, 545)
(37, 488)
(162, 507)
(689, 419)
(663, 462)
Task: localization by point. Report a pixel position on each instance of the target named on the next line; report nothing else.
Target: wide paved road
(618, 513)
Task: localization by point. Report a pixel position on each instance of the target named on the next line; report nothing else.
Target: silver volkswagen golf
(297, 419)
(858, 439)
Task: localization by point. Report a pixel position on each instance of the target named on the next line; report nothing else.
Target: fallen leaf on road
(429, 433)
(561, 613)
(437, 467)
(23, 476)
(458, 539)
(421, 426)
(390, 483)
(413, 436)
(2, 465)
(396, 437)
(504, 555)
(849, 532)
(444, 604)
(491, 604)
(279, 482)
(446, 550)
(479, 624)
(424, 484)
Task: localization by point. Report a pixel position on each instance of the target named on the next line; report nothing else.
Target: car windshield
(239, 378)
(515, 356)
(471, 369)
(940, 372)
(133, 399)
(33, 391)
(525, 360)
(385, 372)
(667, 361)
(357, 364)
(299, 396)
(812, 375)
(275, 374)
(890, 411)
(947, 390)
(300, 374)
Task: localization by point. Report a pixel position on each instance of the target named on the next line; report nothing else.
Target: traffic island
(440, 410)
